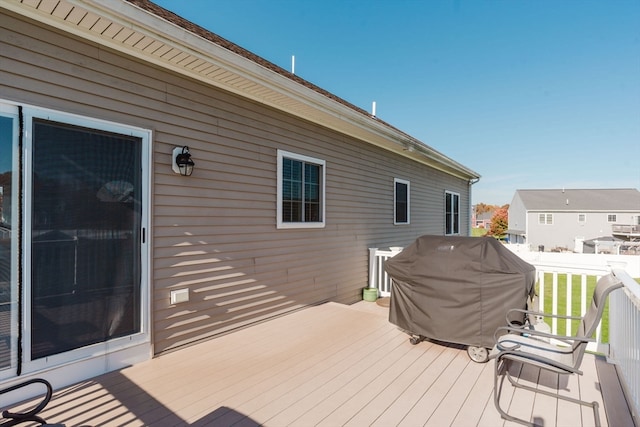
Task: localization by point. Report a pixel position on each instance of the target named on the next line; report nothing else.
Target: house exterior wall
(566, 227)
(214, 233)
(517, 220)
(517, 214)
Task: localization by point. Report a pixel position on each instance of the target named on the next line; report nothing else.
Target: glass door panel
(8, 242)
(85, 237)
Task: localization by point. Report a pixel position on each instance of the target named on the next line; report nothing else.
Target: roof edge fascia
(136, 18)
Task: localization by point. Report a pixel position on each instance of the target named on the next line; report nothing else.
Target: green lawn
(575, 299)
(478, 232)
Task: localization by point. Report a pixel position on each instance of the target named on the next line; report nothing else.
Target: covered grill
(457, 289)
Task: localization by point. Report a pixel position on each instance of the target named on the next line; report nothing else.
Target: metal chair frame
(15, 418)
(524, 344)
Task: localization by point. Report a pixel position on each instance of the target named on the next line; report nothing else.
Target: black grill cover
(457, 289)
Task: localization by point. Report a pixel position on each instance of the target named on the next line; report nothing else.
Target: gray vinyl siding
(215, 232)
(566, 228)
(517, 214)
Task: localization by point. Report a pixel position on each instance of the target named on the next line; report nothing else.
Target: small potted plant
(370, 294)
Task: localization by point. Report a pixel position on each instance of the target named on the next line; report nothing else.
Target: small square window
(582, 218)
(612, 218)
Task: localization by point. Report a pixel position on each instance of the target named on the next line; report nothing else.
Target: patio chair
(15, 418)
(556, 353)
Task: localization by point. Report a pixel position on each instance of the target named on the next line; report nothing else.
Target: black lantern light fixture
(182, 162)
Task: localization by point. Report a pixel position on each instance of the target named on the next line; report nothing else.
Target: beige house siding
(215, 233)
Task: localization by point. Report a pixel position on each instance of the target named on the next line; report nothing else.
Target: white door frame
(86, 362)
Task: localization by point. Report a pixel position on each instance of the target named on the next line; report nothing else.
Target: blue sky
(528, 93)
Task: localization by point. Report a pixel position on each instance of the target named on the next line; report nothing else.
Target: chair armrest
(29, 415)
(567, 339)
(536, 359)
(541, 314)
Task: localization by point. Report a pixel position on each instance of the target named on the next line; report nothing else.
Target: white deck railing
(549, 286)
(624, 337)
(624, 314)
(378, 278)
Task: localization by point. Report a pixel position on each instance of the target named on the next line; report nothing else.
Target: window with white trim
(452, 213)
(582, 218)
(401, 201)
(612, 218)
(545, 219)
(301, 191)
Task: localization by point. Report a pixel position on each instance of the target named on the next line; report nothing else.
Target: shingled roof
(605, 200)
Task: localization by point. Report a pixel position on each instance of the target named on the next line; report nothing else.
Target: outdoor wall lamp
(182, 162)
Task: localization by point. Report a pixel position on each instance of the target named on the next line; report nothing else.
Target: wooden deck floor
(329, 365)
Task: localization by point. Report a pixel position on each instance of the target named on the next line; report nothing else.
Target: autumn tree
(499, 222)
(484, 208)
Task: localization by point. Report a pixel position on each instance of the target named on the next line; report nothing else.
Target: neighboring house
(112, 257)
(482, 220)
(560, 219)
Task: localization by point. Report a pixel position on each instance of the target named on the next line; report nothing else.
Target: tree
(483, 208)
(499, 222)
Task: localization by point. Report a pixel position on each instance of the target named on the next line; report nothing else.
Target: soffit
(134, 31)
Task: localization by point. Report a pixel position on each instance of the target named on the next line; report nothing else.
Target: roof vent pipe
(373, 109)
(293, 64)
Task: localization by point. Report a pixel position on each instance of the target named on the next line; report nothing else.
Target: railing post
(569, 308)
(373, 259)
(541, 291)
(554, 303)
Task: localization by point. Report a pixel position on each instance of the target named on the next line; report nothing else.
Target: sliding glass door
(85, 234)
(73, 250)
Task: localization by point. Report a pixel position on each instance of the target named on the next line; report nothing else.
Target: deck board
(457, 394)
(328, 365)
(547, 405)
(472, 410)
(422, 375)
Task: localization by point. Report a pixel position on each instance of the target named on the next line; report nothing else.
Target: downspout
(471, 182)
